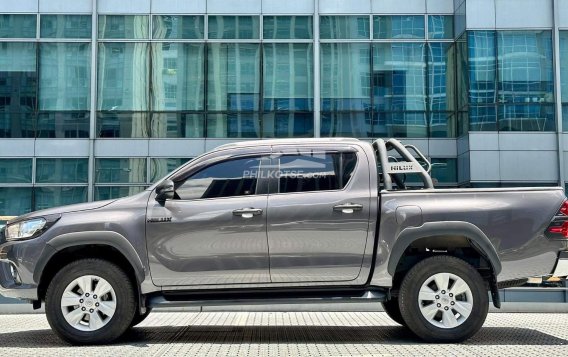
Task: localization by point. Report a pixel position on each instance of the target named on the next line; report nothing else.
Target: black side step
(220, 298)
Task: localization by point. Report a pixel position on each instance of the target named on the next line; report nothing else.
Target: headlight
(25, 229)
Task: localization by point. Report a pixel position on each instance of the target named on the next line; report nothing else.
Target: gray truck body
(298, 240)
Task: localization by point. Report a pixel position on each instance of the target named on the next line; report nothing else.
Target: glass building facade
(100, 99)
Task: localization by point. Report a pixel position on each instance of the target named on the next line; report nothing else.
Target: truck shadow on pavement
(203, 334)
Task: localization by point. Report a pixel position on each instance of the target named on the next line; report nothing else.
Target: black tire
(125, 302)
(392, 309)
(410, 304)
(138, 318)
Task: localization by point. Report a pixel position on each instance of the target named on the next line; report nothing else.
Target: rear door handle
(348, 207)
(247, 212)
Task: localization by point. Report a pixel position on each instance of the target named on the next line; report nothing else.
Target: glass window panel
(15, 170)
(233, 76)
(564, 65)
(47, 197)
(123, 76)
(17, 125)
(526, 117)
(123, 26)
(525, 67)
(18, 77)
(120, 170)
(18, 26)
(178, 76)
(63, 125)
(62, 170)
(482, 118)
(565, 117)
(345, 76)
(482, 67)
(122, 125)
(442, 125)
(441, 76)
(177, 27)
(160, 167)
(345, 27)
(65, 26)
(15, 201)
(65, 76)
(399, 76)
(315, 172)
(230, 178)
(113, 192)
(287, 27)
(444, 170)
(288, 125)
(233, 125)
(288, 76)
(177, 125)
(462, 72)
(352, 124)
(402, 125)
(234, 27)
(398, 27)
(440, 27)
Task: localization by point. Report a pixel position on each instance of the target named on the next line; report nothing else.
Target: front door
(214, 231)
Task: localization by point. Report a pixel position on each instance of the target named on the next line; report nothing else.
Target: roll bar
(409, 165)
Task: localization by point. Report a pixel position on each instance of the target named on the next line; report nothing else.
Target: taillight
(558, 228)
(564, 209)
(563, 229)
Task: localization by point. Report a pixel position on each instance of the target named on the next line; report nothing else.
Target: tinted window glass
(315, 172)
(225, 179)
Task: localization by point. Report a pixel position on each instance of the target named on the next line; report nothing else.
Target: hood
(63, 209)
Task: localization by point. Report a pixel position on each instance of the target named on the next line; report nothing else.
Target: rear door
(318, 214)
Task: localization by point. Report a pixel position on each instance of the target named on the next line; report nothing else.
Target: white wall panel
(523, 13)
(484, 166)
(62, 148)
(527, 141)
(65, 6)
(176, 147)
(234, 7)
(442, 148)
(462, 144)
(344, 7)
(127, 148)
(16, 147)
(179, 6)
(398, 6)
(529, 165)
(563, 12)
(123, 6)
(480, 14)
(483, 141)
(440, 6)
(288, 6)
(7, 6)
(463, 168)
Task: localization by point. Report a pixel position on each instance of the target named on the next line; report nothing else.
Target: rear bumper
(561, 268)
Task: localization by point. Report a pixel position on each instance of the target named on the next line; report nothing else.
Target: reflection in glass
(63, 125)
(123, 76)
(17, 125)
(160, 167)
(178, 76)
(482, 78)
(402, 125)
(234, 27)
(177, 125)
(65, 76)
(462, 72)
(233, 76)
(350, 124)
(15, 170)
(122, 125)
(442, 125)
(441, 76)
(287, 125)
(233, 125)
(177, 27)
(398, 27)
(440, 27)
(15, 201)
(287, 27)
(123, 26)
(345, 27)
(112, 192)
(345, 76)
(444, 170)
(564, 68)
(482, 118)
(526, 117)
(565, 117)
(399, 76)
(121, 170)
(47, 197)
(65, 26)
(18, 77)
(18, 26)
(68, 170)
(288, 76)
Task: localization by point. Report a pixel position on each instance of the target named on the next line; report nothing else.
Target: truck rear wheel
(90, 301)
(443, 299)
(392, 309)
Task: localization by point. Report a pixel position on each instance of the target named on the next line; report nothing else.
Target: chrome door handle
(247, 212)
(348, 207)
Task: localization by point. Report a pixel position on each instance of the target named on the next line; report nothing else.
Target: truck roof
(291, 141)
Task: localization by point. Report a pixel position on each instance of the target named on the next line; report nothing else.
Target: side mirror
(165, 191)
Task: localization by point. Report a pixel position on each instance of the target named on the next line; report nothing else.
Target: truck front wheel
(90, 301)
(392, 309)
(443, 299)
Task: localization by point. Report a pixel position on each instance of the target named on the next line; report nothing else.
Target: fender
(109, 238)
(455, 228)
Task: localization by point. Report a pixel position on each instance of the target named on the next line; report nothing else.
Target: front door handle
(247, 212)
(348, 207)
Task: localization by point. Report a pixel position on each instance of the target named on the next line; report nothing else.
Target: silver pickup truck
(286, 221)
